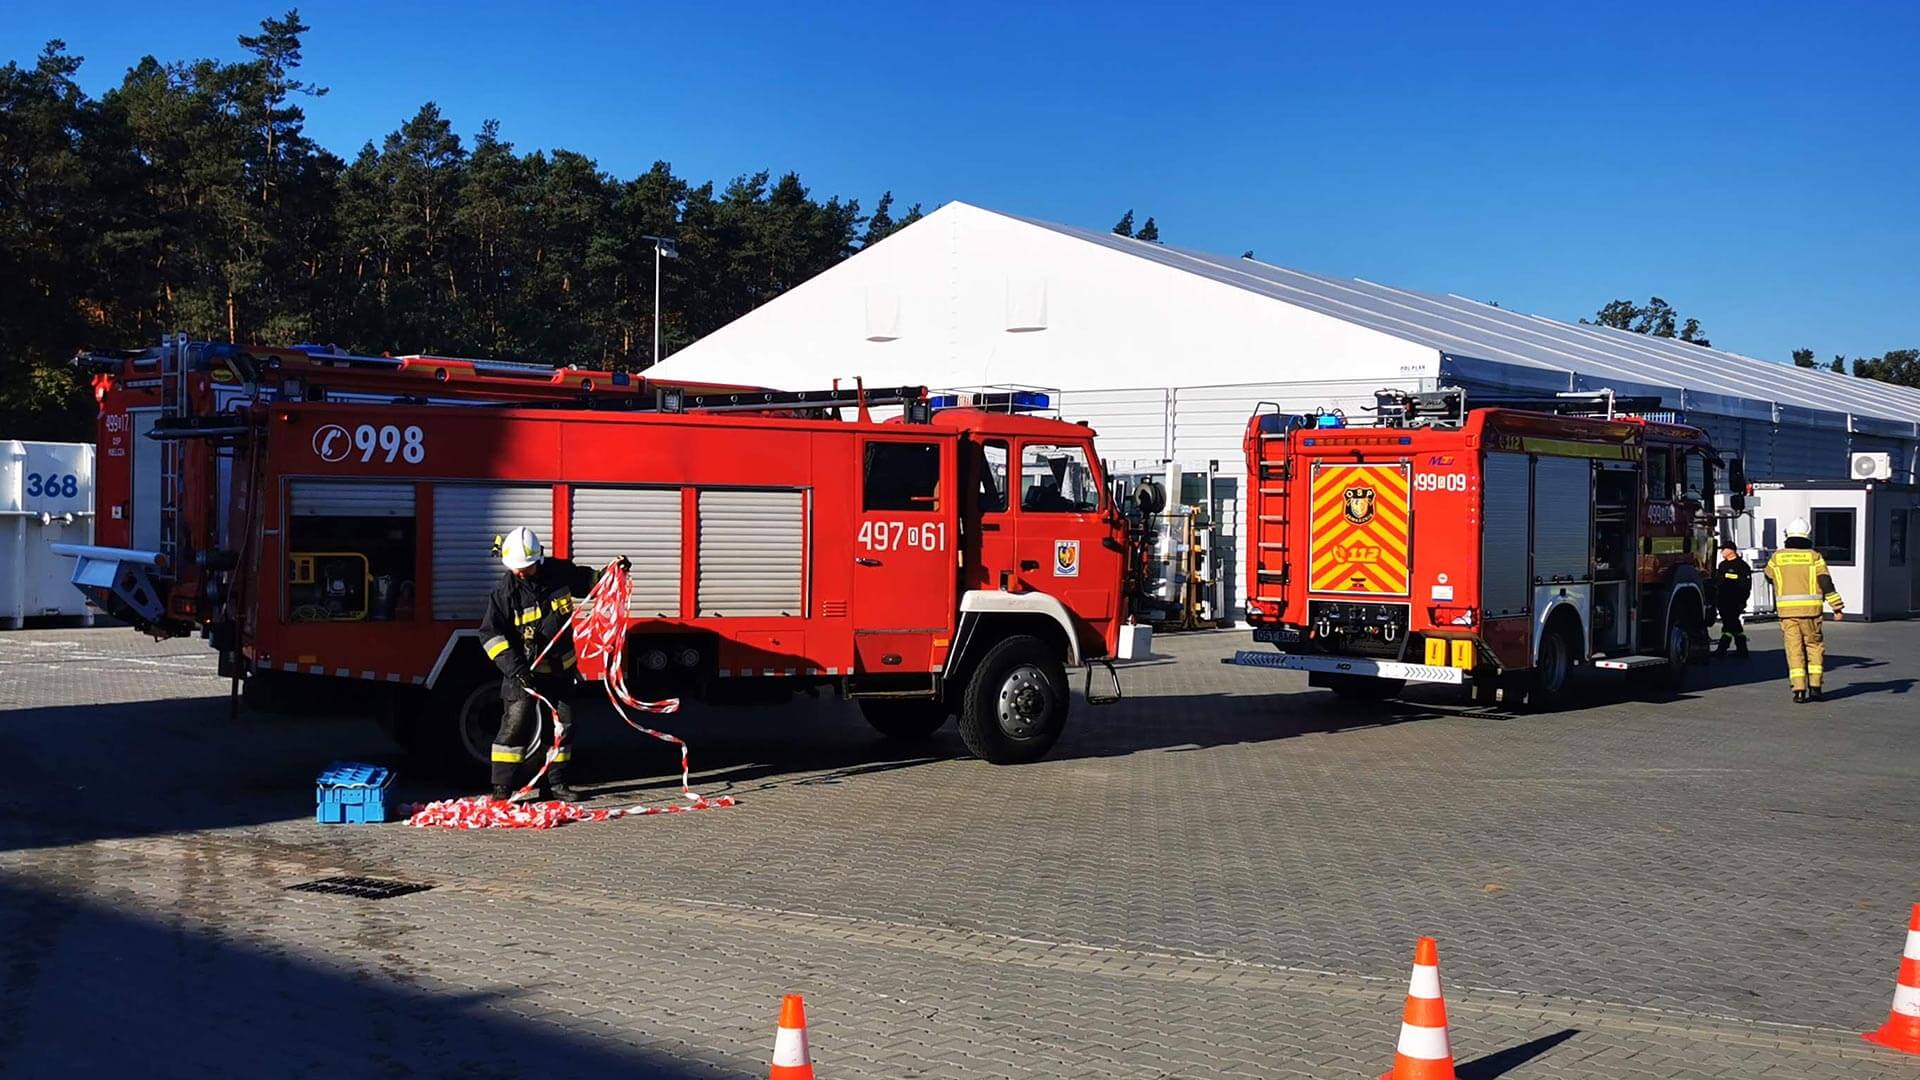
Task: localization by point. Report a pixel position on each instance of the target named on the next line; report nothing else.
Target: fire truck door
(904, 553)
(1061, 544)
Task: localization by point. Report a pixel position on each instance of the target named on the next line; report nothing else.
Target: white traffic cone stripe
(1425, 982)
(1906, 1000)
(1424, 1043)
(1912, 951)
(790, 1047)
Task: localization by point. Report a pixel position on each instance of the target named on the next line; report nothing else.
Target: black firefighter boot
(1726, 642)
(1799, 697)
(1813, 693)
(557, 787)
(1740, 646)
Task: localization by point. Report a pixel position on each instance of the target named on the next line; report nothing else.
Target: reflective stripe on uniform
(1833, 598)
(511, 754)
(565, 753)
(1794, 558)
(528, 615)
(495, 646)
(1816, 669)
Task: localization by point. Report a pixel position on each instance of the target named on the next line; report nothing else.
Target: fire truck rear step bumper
(1630, 663)
(1349, 665)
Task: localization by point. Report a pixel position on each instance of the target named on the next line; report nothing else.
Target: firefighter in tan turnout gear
(530, 607)
(1802, 588)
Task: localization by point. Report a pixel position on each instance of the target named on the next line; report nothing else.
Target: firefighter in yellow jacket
(1802, 587)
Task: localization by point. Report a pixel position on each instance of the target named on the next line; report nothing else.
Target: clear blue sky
(1756, 164)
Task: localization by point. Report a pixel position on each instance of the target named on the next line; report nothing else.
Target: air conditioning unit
(1872, 467)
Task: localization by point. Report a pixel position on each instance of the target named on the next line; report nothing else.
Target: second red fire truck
(329, 521)
(1497, 548)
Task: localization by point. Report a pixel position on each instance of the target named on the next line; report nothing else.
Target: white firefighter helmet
(1798, 529)
(520, 548)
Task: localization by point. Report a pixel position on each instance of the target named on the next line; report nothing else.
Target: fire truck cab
(1497, 548)
(952, 561)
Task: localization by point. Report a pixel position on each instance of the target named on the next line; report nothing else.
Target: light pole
(663, 248)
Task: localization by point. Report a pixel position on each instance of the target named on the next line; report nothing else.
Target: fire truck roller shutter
(1562, 520)
(466, 518)
(336, 498)
(644, 525)
(1505, 495)
(752, 552)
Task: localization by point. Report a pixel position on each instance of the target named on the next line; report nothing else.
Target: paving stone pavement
(1221, 877)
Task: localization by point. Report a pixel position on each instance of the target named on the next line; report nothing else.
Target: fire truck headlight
(655, 660)
(689, 657)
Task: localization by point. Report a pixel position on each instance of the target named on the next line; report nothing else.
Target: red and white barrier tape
(600, 648)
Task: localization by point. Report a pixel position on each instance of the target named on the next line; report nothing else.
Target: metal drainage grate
(360, 888)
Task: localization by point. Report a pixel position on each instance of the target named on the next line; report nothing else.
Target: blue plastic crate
(352, 794)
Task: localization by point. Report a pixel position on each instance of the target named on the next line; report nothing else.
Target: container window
(1833, 536)
(902, 476)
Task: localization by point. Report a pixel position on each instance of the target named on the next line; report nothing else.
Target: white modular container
(46, 497)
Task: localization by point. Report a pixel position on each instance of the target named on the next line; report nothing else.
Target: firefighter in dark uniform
(1732, 585)
(530, 607)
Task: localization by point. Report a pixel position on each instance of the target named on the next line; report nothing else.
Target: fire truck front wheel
(905, 719)
(1015, 704)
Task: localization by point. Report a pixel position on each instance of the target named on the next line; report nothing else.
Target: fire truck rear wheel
(1552, 669)
(905, 719)
(1015, 705)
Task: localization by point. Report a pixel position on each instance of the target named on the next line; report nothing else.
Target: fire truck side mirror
(1737, 484)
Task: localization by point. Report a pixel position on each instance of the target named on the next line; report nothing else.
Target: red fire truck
(331, 523)
(1498, 548)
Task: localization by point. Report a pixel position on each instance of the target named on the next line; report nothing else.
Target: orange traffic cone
(1424, 1053)
(791, 1061)
(1902, 1029)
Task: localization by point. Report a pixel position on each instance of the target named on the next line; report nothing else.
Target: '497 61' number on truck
(895, 535)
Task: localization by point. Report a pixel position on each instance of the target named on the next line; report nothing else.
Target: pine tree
(1803, 358)
(1124, 227)
(1150, 232)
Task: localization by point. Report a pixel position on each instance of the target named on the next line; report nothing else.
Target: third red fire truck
(328, 521)
(1498, 548)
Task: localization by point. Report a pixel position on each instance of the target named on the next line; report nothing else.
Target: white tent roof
(969, 297)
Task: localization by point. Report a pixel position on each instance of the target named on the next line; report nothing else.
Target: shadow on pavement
(1501, 1062)
(93, 991)
(1883, 686)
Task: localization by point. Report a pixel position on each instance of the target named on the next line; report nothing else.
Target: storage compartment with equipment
(350, 551)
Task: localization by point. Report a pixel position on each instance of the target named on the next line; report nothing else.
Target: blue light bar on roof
(1000, 401)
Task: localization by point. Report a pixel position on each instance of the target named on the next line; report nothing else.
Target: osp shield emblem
(1066, 558)
(1359, 505)
(332, 443)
